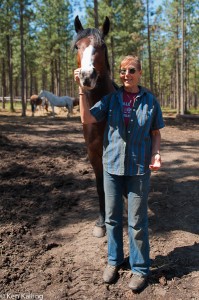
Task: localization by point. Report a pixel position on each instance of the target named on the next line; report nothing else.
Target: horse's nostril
(94, 73)
(86, 82)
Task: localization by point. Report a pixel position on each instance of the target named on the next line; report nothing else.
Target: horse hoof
(99, 231)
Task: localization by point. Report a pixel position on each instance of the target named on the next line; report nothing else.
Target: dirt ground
(49, 204)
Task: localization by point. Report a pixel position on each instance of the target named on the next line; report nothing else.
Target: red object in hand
(156, 165)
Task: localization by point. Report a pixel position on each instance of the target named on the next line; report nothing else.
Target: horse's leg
(42, 109)
(32, 109)
(98, 170)
(70, 110)
(53, 110)
(46, 106)
(35, 107)
(96, 162)
(93, 135)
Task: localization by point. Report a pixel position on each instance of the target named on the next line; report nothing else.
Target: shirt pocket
(143, 115)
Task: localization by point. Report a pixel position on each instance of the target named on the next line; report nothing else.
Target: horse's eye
(76, 47)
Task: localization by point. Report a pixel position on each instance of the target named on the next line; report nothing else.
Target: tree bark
(22, 59)
(10, 71)
(182, 71)
(149, 49)
(96, 14)
(3, 81)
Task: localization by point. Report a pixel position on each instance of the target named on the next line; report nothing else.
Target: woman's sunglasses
(131, 71)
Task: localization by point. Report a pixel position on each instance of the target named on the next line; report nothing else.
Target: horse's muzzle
(88, 78)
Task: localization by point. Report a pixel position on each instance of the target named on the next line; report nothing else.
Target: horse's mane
(47, 92)
(98, 40)
(68, 98)
(96, 33)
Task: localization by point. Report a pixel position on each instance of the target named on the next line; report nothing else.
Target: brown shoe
(137, 282)
(110, 273)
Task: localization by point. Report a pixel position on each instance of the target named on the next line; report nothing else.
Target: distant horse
(35, 101)
(64, 101)
(92, 58)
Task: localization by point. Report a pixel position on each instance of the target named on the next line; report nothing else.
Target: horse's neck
(103, 87)
(50, 96)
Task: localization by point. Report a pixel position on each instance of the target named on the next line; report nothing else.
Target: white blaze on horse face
(87, 60)
(88, 75)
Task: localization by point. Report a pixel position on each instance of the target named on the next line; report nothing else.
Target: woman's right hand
(76, 75)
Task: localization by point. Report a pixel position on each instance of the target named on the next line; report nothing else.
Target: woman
(131, 149)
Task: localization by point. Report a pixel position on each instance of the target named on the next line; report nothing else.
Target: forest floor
(49, 204)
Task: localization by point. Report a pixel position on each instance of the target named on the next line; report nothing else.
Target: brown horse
(35, 101)
(92, 57)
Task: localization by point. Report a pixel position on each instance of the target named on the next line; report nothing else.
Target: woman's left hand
(155, 162)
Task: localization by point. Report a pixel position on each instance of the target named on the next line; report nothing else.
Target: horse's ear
(78, 25)
(106, 27)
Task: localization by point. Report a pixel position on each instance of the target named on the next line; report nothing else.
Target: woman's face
(130, 76)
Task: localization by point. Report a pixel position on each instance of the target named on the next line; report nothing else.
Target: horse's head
(92, 54)
(75, 101)
(45, 103)
(41, 94)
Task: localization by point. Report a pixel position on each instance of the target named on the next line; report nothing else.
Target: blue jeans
(137, 189)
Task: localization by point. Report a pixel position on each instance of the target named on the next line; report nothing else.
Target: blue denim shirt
(127, 150)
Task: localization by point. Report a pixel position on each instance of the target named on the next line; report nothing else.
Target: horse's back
(67, 99)
(33, 97)
(35, 100)
(60, 101)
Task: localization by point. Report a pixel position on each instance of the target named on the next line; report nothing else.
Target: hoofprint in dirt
(49, 206)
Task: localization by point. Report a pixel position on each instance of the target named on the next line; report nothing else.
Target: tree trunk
(52, 88)
(188, 100)
(177, 66)
(195, 89)
(182, 70)
(177, 83)
(112, 58)
(149, 48)
(10, 72)
(57, 74)
(159, 71)
(3, 81)
(44, 80)
(96, 14)
(22, 59)
(31, 83)
(66, 87)
(25, 81)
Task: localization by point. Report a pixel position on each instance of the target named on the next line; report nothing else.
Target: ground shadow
(42, 180)
(179, 262)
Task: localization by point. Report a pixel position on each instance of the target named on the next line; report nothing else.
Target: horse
(35, 101)
(64, 101)
(92, 58)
